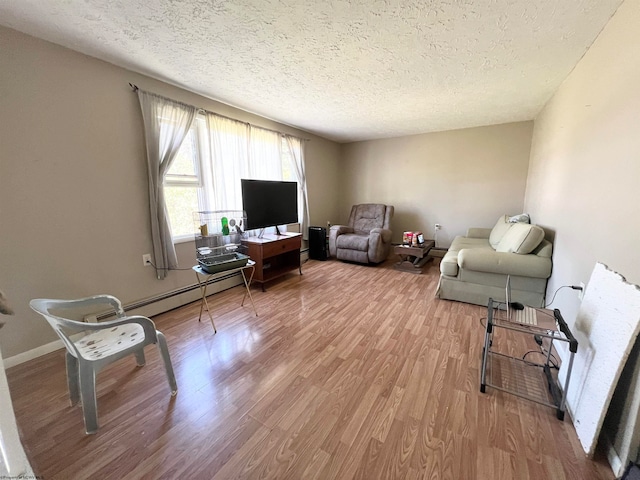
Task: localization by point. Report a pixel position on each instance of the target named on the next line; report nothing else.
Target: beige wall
(584, 178)
(73, 188)
(460, 178)
(584, 171)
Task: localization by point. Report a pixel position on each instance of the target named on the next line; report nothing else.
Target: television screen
(269, 203)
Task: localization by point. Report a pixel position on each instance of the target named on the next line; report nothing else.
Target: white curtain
(166, 124)
(228, 150)
(296, 148)
(237, 150)
(265, 154)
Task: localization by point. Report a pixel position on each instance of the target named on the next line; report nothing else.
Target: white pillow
(521, 238)
(501, 227)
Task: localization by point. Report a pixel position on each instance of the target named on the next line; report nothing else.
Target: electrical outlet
(146, 259)
(437, 226)
(581, 292)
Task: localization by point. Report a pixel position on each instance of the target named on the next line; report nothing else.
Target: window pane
(216, 154)
(181, 203)
(185, 161)
(287, 162)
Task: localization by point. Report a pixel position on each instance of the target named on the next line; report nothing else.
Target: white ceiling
(345, 70)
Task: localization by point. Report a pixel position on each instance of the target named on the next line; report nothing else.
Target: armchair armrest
(384, 233)
(98, 300)
(475, 232)
(481, 260)
(379, 244)
(146, 323)
(335, 232)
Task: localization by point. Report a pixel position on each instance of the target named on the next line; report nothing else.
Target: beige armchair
(367, 237)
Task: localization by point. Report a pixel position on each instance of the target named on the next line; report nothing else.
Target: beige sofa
(476, 266)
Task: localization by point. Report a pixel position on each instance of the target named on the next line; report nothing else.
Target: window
(181, 185)
(217, 153)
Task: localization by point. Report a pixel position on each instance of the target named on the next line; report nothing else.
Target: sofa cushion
(521, 238)
(544, 250)
(501, 227)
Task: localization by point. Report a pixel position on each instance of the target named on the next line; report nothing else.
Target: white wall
(73, 188)
(459, 178)
(584, 173)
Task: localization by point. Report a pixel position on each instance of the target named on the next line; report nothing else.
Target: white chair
(102, 344)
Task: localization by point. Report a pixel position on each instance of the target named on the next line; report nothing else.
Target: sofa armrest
(335, 232)
(489, 261)
(475, 232)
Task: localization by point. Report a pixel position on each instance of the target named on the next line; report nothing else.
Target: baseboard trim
(148, 307)
(33, 353)
(615, 462)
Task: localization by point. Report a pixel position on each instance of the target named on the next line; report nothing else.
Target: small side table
(216, 277)
(412, 259)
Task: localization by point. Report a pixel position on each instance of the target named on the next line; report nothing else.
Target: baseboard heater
(179, 291)
(165, 296)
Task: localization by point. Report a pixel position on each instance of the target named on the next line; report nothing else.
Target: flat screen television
(269, 203)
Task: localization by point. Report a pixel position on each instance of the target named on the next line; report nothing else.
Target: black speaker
(318, 243)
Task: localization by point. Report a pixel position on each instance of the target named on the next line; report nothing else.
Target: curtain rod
(135, 88)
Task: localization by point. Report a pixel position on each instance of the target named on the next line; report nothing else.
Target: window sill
(183, 239)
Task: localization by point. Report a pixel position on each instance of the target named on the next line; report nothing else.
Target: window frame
(201, 180)
(188, 181)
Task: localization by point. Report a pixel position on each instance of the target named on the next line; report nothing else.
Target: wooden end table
(412, 259)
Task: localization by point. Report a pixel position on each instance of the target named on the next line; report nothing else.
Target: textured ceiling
(345, 70)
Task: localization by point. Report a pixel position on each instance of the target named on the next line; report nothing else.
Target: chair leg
(88, 396)
(140, 360)
(164, 351)
(72, 378)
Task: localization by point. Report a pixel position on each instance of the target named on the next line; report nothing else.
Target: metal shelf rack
(514, 374)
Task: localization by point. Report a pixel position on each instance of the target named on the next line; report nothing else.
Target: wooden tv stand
(275, 255)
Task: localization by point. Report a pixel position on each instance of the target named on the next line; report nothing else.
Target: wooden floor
(349, 372)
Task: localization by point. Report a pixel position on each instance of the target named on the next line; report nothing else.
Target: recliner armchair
(367, 237)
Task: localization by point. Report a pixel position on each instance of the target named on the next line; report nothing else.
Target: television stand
(275, 255)
(262, 230)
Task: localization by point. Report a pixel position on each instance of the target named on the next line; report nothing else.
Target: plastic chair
(102, 344)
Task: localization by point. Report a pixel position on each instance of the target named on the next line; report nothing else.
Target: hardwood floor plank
(393, 462)
(350, 371)
(313, 468)
(362, 412)
(383, 425)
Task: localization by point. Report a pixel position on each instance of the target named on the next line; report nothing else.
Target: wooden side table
(274, 255)
(412, 259)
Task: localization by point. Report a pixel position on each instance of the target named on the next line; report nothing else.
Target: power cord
(554, 360)
(574, 287)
